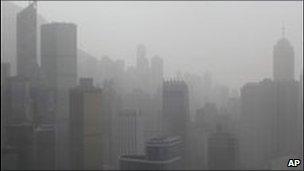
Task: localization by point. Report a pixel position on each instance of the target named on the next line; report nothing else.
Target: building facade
(59, 65)
(86, 126)
(162, 153)
(27, 65)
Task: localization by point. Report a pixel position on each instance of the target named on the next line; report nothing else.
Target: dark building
(176, 115)
(43, 99)
(269, 122)
(20, 137)
(161, 154)
(175, 108)
(44, 147)
(257, 124)
(5, 73)
(222, 151)
(59, 65)
(27, 65)
(9, 158)
(18, 100)
(86, 126)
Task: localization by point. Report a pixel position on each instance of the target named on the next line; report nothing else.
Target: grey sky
(233, 40)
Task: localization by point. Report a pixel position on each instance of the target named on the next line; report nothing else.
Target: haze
(232, 40)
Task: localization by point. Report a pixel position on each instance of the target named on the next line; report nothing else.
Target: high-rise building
(43, 100)
(18, 100)
(111, 107)
(176, 117)
(27, 65)
(157, 68)
(257, 124)
(44, 143)
(269, 113)
(59, 65)
(142, 69)
(175, 108)
(129, 133)
(142, 61)
(86, 126)
(222, 151)
(283, 60)
(59, 54)
(269, 122)
(20, 137)
(162, 153)
(5, 73)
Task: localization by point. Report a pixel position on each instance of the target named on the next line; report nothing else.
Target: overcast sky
(233, 40)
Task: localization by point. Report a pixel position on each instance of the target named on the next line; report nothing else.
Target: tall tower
(175, 108)
(59, 64)
(157, 67)
(176, 114)
(283, 60)
(142, 61)
(27, 41)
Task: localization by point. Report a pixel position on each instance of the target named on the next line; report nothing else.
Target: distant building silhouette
(86, 126)
(270, 113)
(161, 154)
(283, 61)
(157, 72)
(27, 65)
(142, 61)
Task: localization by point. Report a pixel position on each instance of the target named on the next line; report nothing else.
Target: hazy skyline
(233, 40)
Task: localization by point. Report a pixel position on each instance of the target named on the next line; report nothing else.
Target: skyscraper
(257, 130)
(59, 64)
(129, 133)
(59, 54)
(175, 108)
(5, 73)
(142, 61)
(176, 114)
(27, 42)
(268, 122)
(157, 69)
(283, 60)
(222, 150)
(142, 69)
(44, 139)
(18, 100)
(86, 126)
